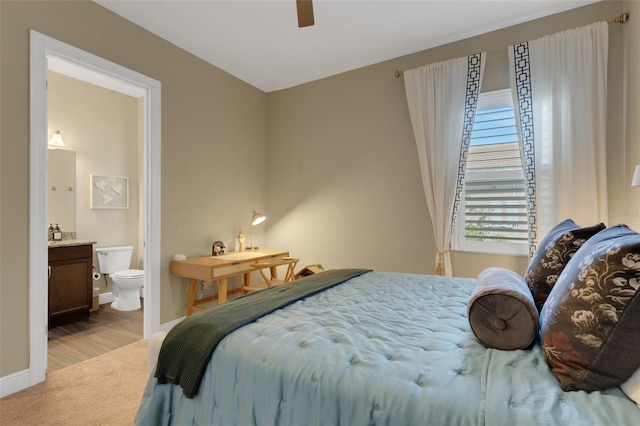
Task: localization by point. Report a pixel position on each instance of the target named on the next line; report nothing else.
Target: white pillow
(632, 387)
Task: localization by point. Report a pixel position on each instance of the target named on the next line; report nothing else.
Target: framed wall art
(109, 192)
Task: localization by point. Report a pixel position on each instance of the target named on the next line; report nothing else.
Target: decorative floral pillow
(590, 323)
(552, 254)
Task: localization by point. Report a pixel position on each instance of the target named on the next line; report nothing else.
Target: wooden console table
(219, 268)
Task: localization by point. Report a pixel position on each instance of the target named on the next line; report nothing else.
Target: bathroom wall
(101, 126)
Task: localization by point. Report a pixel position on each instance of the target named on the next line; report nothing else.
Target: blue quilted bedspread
(381, 349)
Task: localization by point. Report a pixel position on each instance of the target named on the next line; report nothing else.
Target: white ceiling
(259, 42)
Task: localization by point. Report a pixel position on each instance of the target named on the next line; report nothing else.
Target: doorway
(43, 48)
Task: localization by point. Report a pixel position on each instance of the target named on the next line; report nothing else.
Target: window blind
(495, 206)
(495, 210)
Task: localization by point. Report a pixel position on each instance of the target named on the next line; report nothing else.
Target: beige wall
(631, 212)
(101, 126)
(344, 180)
(213, 148)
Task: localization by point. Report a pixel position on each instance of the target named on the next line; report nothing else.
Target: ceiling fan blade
(305, 13)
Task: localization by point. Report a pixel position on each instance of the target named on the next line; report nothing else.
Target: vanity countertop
(69, 243)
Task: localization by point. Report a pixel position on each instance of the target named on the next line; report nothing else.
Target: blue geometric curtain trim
(522, 70)
(474, 68)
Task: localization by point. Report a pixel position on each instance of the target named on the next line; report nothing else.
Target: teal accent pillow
(590, 325)
(553, 253)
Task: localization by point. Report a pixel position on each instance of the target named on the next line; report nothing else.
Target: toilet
(115, 262)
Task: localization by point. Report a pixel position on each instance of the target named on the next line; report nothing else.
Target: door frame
(41, 48)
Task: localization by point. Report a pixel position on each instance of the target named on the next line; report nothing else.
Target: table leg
(222, 290)
(193, 285)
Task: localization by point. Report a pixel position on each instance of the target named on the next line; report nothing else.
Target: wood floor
(104, 331)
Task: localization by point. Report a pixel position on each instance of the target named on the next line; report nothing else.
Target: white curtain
(560, 94)
(442, 99)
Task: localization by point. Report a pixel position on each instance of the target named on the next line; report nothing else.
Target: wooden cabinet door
(70, 290)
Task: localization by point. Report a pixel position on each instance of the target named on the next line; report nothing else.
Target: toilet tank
(114, 259)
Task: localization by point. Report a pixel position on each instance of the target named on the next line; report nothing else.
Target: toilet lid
(129, 274)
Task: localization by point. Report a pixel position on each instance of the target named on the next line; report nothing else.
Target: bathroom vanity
(70, 281)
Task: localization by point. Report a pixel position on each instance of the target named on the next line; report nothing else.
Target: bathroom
(103, 128)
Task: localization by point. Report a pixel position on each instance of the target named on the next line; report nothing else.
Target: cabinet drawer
(70, 252)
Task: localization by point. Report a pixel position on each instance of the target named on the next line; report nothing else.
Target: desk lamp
(256, 219)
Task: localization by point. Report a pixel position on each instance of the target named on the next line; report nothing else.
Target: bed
(379, 349)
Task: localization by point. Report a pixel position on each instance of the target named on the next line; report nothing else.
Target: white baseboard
(14, 382)
(108, 297)
(105, 298)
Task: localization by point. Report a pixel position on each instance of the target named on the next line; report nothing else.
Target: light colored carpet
(105, 390)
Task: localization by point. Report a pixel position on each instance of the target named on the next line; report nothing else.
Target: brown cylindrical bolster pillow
(501, 310)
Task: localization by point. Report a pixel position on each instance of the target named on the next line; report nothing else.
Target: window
(492, 215)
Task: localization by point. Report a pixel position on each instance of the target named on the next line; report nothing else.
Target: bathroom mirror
(62, 189)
